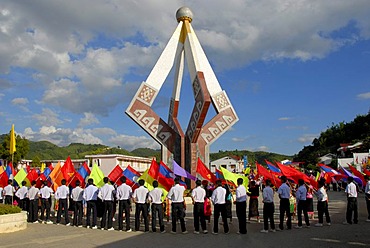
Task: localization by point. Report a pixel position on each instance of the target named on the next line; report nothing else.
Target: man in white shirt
(107, 193)
(123, 196)
(241, 206)
(351, 191)
(21, 194)
(322, 204)
(218, 199)
(284, 194)
(367, 197)
(155, 197)
(33, 197)
(62, 195)
(1, 194)
(45, 194)
(198, 195)
(77, 198)
(301, 204)
(91, 195)
(268, 208)
(140, 197)
(176, 195)
(9, 192)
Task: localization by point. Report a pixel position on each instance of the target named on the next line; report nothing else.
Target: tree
(36, 162)
(22, 149)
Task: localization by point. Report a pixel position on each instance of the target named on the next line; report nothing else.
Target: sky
(291, 68)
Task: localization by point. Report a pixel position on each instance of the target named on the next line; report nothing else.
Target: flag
(233, 177)
(132, 177)
(10, 170)
(292, 173)
(153, 169)
(1, 169)
(357, 174)
(272, 167)
(77, 176)
(3, 179)
(346, 173)
(84, 170)
(262, 171)
(31, 176)
(219, 175)
(68, 170)
(43, 166)
(21, 175)
(179, 171)
(56, 176)
(245, 160)
(330, 173)
(367, 172)
(165, 176)
(48, 170)
(12, 148)
(148, 179)
(97, 175)
(115, 174)
(205, 172)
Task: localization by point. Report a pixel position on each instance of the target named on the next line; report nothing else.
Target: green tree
(36, 162)
(22, 149)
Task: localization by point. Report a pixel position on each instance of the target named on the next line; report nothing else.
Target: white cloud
(262, 148)
(132, 142)
(285, 118)
(20, 101)
(364, 96)
(88, 119)
(307, 138)
(236, 139)
(47, 117)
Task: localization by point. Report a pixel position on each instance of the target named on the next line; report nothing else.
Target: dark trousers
(124, 206)
(322, 208)
(91, 207)
(32, 210)
(268, 214)
(178, 214)
(220, 209)
(367, 198)
(63, 206)
(241, 213)
(302, 206)
(23, 204)
(352, 207)
(285, 210)
(157, 208)
(108, 209)
(77, 213)
(198, 212)
(8, 200)
(45, 205)
(141, 208)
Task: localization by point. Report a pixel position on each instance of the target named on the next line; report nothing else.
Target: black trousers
(23, 204)
(91, 207)
(124, 206)
(77, 213)
(352, 207)
(322, 208)
(367, 199)
(157, 208)
(220, 209)
(285, 210)
(33, 210)
(63, 206)
(302, 206)
(198, 213)
(141, 208)
(241, 213)
(268, 214)
(45, 205)
(178, 214)
(108, 209)
(8, 200)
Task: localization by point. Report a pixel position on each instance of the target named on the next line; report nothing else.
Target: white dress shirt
(155, 195)
(62, 192)
(9, 190)
(241, 194)
(124, 192)
(351, 190)
(21, 192)
(77, 194)
(140, 195)
(198, 194)
(107, 192)
(218, 195)
(321, 194)
(176, 193)
(284, 191)
(301, 193)
(268, 195)
(45, 192)
(33, 193)
(91, 193)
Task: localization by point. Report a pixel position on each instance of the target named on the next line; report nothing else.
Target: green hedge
(9, 209)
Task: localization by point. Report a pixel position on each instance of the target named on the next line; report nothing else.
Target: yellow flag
(12, 148)
(97, 175)
(234, 177)
(43, 165)
(21, 175)
(149, 183)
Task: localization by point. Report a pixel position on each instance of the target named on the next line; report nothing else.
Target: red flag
(357, 174)
(3, 179)
(262, 171)
(205, 172)
(68, 170)
(77, 176)
(367, 172)
(115, 174)
(292, 173)
(153, 169)
(31, 176)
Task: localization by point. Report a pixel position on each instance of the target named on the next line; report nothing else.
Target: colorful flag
(357, 174)
(43, 166)
(272, 167)
(97, 175)
(77, 176)
(31, 176)
(3, 179)
(56, 176)
(292, 173)
(346, 173)
(21, 175)
(219, 175)
(10, 170)
(179, 171)
(165, 176)
(115, 174)
(68, 170)
(233, 177)
(148, 179)
(205, 172)
(48, 170)
(132, 177)
(84, 170)
(12, 147)
(262, 171)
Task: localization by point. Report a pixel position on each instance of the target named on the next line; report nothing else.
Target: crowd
(91, 200)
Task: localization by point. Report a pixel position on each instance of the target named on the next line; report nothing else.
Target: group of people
(32, 199)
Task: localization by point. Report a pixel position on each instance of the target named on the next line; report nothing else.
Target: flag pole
(13, 180)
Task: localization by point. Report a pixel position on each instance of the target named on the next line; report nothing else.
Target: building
(231, 163)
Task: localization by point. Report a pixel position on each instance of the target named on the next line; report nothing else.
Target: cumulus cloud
(47, 117)
(364, 96)
(20, 101)
(307, 138)
(88, 119)
(132, 142)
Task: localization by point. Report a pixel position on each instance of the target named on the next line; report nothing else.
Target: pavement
(336, 235)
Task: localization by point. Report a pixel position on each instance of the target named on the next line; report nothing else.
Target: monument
(184, 147)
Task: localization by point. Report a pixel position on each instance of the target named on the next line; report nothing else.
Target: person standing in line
(21, 194)
(62, 195)
(284, 194)
(229, 203)
(218, 199)
(254, 190)
(77, 198)
(155, 197)
(301, 195)
(322, 204)
(140, 197)
(176, 195)
(241, 206)
(268, 208)
(309, 201)
(33, 197)
(9, 192)
(351, 191)
(123, 195)
(45, 194)
(198, 195)
(1, 194)
(367, 197)
(107, 193)
(90, 195)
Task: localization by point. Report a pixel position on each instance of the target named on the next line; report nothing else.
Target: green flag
(234, 177)
(97, 175)
(21, 175)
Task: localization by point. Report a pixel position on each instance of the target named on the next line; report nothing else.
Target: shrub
(9, 209)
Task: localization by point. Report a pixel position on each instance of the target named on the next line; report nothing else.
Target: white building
(231, 163)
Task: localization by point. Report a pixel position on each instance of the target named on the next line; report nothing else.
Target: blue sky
(69, 69)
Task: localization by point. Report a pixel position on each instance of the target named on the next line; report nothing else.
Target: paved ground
(337, 235)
